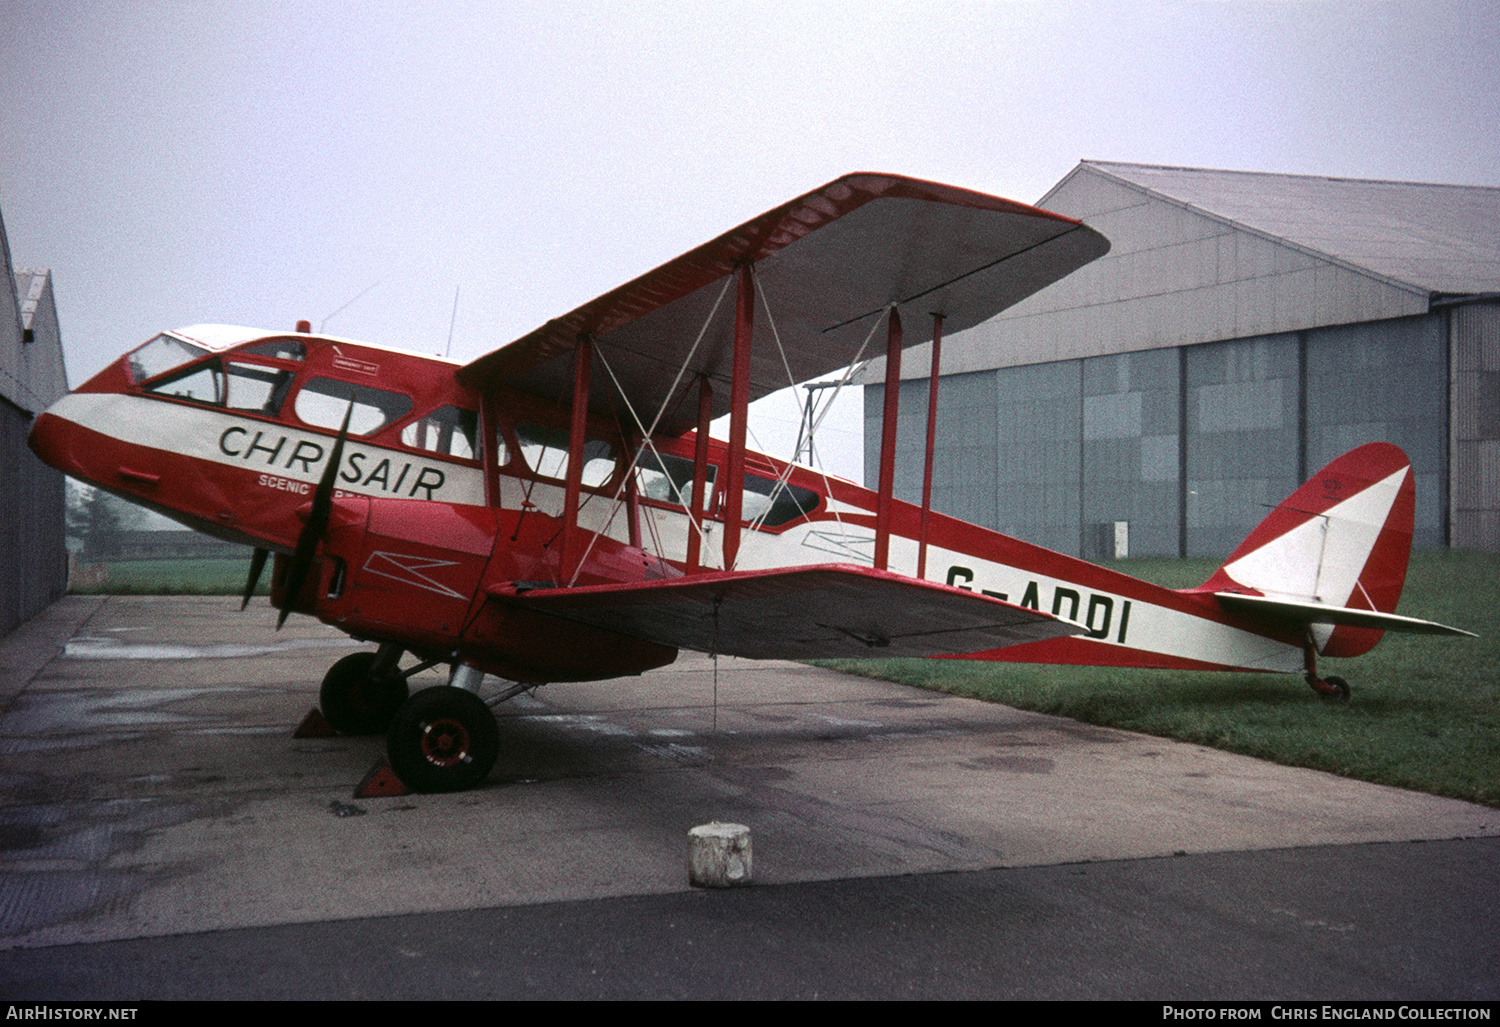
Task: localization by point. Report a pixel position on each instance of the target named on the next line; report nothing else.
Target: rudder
(1342, 539)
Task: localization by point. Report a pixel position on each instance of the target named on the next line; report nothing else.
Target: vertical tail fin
(1342, 539)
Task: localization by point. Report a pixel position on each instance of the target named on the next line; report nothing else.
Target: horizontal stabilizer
(1322, 613)
(800, 613)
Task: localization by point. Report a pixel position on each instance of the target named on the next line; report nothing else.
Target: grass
(1425, 713)
(166, 577)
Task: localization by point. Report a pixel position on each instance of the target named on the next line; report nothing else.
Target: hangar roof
(32, 374)
(1442, 239)
(1200, 255)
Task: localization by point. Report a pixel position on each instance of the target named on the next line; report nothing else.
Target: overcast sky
(257, 163)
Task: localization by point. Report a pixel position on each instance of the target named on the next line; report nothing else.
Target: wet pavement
(156, 813)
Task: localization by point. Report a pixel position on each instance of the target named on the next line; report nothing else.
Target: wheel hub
(445, 742)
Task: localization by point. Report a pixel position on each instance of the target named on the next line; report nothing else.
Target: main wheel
(355, 702)
(443, 739)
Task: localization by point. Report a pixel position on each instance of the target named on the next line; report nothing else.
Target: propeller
(257, 564)
(317, 524)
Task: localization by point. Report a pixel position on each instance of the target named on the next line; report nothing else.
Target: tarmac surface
(163, 836)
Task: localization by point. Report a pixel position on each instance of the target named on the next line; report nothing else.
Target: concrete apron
(152, 786)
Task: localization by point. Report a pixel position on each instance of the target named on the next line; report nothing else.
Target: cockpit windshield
(161, 355)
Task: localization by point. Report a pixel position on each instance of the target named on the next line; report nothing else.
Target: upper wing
(829, 263)
(800, 613)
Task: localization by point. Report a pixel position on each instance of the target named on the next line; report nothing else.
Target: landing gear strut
(362, 692)
(1331, 687)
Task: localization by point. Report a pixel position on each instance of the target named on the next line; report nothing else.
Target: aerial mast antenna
(346, 306)
(451, 320)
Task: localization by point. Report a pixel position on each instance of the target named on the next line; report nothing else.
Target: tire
(1341, 685)
(354, 702)
(443, 739)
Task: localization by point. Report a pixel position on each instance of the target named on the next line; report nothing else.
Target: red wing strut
(800, 613)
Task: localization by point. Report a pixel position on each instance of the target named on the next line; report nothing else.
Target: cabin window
(502, 447)
(322, 403)
(160, 355)
(450, 431)
(774, 504)
(546, 453)
(665, 478)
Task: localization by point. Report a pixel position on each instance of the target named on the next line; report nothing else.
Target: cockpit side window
(257, 389)
(281, 349)
(201, 384)
(234, 385)
(776, 503)
(664, 478)
(322, 402)
(161, 355)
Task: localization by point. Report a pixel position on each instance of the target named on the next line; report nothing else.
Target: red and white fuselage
(555, 509)
(446, 500)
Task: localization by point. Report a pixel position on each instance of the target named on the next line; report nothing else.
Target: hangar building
(1243, 330)
(33, 550)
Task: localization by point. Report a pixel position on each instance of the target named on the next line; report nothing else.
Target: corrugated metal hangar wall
(1243, 331)
(33, 547)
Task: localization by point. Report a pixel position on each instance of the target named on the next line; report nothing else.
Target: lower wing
(799, 613)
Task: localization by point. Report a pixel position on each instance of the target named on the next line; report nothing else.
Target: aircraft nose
(49, 440)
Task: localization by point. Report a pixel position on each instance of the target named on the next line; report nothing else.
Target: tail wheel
(1333, 688)
(443, 739)
(355, 701)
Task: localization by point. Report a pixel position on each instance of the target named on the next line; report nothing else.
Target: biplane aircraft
(557, 511)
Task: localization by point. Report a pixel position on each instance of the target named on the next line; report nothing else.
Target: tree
(95, 520)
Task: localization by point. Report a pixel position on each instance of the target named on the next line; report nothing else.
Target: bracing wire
(849, 372)
(648, 433)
